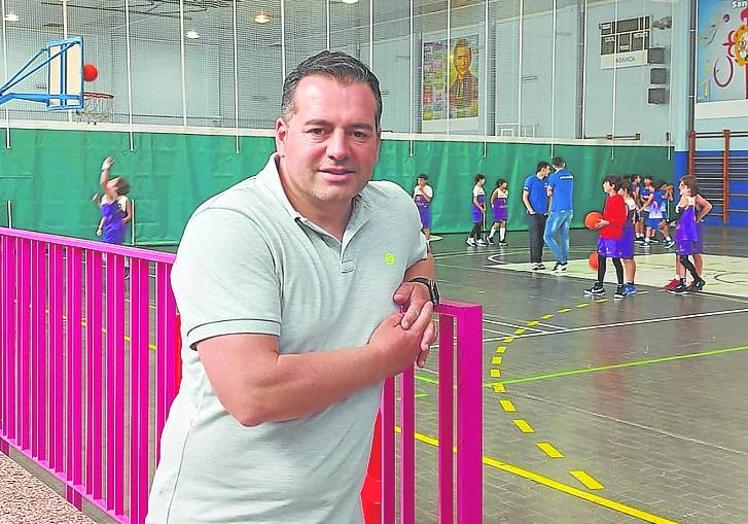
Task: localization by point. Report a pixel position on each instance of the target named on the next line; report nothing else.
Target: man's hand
(401, 347)
(412, 297)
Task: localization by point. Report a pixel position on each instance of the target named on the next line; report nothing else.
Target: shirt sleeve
(225, 279)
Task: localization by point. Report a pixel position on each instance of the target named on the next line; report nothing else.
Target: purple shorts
(626, 242)
(500, 214)
(608, 247)
(425, 213)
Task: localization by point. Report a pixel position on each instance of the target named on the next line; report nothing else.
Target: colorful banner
(462, 61)
(721, 59)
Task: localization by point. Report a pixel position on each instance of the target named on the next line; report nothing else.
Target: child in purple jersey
(626, 243)
(692, 208)
(500, 212)
(422, 195)
(478, 212)
(116, 208)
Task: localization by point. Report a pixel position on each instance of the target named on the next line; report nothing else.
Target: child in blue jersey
(478, 211)
(500, 212)
(116, 208)
(664, 196)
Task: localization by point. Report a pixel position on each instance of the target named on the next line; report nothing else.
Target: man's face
(544, 171)
(462, 60)
(330, 144)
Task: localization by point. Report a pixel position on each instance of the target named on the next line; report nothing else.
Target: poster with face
(463, 78)
(450, 78)
(722, 58)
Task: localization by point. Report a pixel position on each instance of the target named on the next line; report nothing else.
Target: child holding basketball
(116, 208)
(478, 212)
(610, 228)
(500, 213)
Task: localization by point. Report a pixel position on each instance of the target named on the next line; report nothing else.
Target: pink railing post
(388, 452)
(74, 286)
(445, 430)
(408, 447)
(39, 273)
(470, 416)
(56, 338)
(9, 293)
(24, 346)
(94, 441)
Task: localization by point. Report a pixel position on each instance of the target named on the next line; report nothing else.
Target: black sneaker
(503, 243)
(595, 291)
(541, 266)
(670, 243)
(680, 289)
(620, 292)
(696, 285)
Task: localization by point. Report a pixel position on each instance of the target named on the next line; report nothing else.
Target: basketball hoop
(97, 107)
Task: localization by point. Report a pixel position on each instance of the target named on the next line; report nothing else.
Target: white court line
(516, 326)
(628, 323)
(500, 319)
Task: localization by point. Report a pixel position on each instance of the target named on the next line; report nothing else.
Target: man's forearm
(423, 268)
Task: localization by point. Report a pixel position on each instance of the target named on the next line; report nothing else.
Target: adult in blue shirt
(535, 198)
(561, 194)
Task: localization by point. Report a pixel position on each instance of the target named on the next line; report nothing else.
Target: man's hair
(558, 162)
(123, 186)
(542, 165)
(463, 43)
(339, 66)
(691, 183)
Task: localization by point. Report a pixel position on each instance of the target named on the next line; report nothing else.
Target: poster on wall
(450, 81)
(434, 80)
(722, 59)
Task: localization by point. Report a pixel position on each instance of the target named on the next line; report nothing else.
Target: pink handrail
(76, 356)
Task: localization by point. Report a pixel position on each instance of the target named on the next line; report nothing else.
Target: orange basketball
(592, 261)
(592, 218)
(90, 73)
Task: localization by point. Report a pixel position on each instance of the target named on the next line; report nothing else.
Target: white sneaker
(470, 241)
(481, 242)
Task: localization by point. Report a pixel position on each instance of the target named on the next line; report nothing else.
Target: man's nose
(337, 145)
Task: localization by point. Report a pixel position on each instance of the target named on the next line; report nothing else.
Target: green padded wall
(50, 175)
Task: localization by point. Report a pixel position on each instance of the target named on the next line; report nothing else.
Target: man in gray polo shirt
(291, 286)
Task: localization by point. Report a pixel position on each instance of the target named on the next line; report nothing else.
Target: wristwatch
(431, 285)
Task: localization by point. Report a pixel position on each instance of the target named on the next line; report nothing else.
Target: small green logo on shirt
(389, 259)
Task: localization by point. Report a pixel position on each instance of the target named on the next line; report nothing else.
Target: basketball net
(97, 107)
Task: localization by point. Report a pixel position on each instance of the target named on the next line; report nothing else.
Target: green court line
(634, 363)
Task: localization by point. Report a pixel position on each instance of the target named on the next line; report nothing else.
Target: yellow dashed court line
(582, 305)
(507, 405)
(496, 361)
(558, 486)
(519, 331)
(601, 300)
(523, 426)
(547, 316)
(531, 323)
(499, 388)
(564, 310)
(495, 373)
(508, 340)
(501, 349)
(586, 479)
(549, 450)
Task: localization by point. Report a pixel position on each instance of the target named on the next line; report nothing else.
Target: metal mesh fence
(515, 68)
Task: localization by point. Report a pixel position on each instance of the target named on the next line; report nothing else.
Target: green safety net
(50, 175)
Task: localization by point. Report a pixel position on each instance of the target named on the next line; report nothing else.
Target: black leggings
(477, 231)
(602, 266)
(689, 266)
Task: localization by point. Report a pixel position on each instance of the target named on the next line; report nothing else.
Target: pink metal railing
(80, 344)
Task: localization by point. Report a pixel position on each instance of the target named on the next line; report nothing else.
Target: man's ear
(281, 132)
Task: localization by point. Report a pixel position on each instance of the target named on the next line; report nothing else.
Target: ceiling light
(350, 1)
(11, 17)
(192, 35)
(262, 17)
